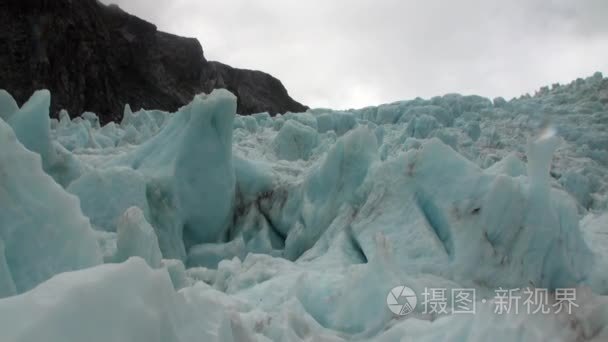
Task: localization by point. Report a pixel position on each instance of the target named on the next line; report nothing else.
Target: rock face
(98, 58)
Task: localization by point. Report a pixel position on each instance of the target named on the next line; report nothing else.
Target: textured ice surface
(124, 302)
(295, 228)
(136, 237)
(8, 105)
(118, 188)
(43, 230)
(7, 285)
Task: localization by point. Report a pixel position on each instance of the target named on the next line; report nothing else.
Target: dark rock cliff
(98, 58)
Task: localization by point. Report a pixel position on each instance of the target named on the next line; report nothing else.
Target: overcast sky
(353, 53)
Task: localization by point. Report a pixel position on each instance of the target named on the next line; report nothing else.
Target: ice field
(204, 225)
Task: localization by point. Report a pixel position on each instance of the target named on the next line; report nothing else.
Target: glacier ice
(330, 186)
(136, 237)
(43, 229)
(177, 272)
(106, 194)
(31, 126)
(7, 285)
(295, 141)
(119, 302)
(218, 227)
(204, 185)
(8, 105)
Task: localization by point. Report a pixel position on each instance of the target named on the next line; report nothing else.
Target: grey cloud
(351, 53)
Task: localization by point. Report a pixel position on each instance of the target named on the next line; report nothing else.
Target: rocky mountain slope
(94, 57)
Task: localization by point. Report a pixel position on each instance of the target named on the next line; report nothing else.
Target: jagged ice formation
(205, 225)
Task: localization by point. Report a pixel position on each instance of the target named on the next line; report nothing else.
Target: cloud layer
(353, 53)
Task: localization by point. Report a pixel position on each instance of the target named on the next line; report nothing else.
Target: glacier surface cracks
(203, 225)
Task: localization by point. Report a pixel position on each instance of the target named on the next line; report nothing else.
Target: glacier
(204, 225)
